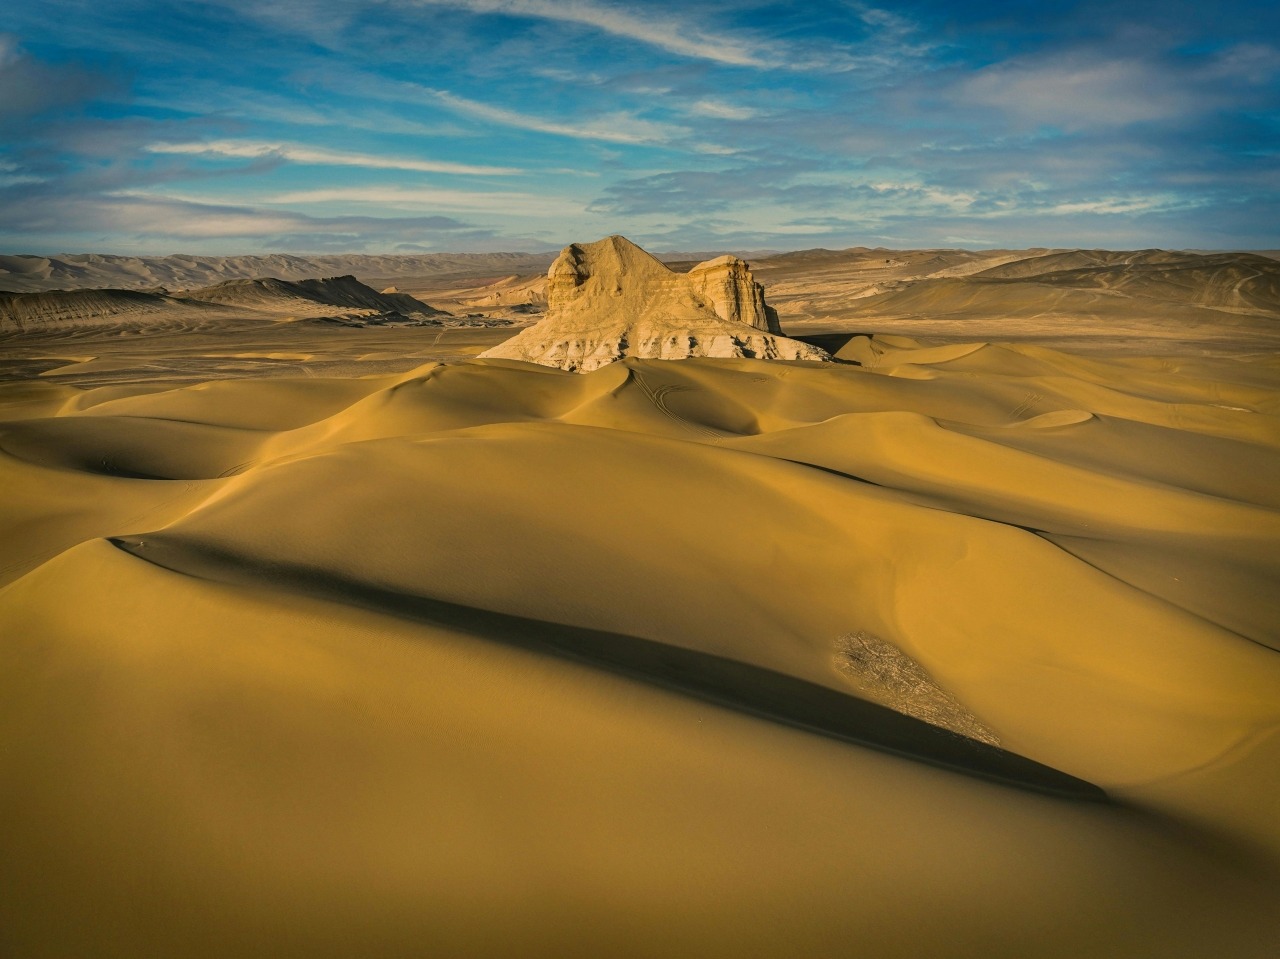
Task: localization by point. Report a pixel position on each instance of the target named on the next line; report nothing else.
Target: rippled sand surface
(969, 649)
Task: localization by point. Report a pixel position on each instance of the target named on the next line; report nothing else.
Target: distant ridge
(73, 271)
(1099, 282)
(266, 298)
(332, 291)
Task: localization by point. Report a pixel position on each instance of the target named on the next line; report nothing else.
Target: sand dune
(953, 648)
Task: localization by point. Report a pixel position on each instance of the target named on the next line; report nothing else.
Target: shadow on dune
(726, 682)
(831, 342)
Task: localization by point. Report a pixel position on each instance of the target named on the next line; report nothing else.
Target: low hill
(1199, 288)
(22, 312)
(71, 271)
(342, 297)
(332, 291)
(1231, 281)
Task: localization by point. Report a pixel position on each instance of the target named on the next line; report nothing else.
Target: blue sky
(232, 126)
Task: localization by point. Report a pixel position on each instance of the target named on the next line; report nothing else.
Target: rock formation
(611, 299)
(727, 284)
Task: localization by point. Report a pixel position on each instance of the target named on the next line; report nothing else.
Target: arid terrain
(325, 636)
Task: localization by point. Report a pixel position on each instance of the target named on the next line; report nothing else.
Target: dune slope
(968, 649)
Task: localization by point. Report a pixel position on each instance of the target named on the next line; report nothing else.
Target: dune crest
(610, 299)
(326, 638)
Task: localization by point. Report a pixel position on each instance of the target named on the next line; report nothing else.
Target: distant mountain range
(341, 299)
(179, 272)
(22, 273)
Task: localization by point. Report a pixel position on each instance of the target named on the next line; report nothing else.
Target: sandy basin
(485, 658)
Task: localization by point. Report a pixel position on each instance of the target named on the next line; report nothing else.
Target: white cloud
(719, 110)
(156, 216)
(663, 32)
(613, 128)
(918, 195)
(786, 229)
(716, 149)
(244, 103)
(1076, 93)
(414, 198)
(1116, 205)
(618, 127)
(298, 153)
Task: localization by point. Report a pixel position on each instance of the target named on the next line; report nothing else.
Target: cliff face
(727, 284)
(611, 299)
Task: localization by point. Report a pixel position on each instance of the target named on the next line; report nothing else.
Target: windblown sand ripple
(966, 650)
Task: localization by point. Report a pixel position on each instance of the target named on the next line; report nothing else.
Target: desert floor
(328, 641)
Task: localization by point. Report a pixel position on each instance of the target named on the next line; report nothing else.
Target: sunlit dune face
(755, 653)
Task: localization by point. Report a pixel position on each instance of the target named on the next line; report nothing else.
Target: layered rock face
(727, 284)
(611, 299)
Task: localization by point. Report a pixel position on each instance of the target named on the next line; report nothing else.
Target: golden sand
(485, 658)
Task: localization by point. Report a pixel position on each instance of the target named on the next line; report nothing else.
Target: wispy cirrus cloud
(666, 33)
(300, 153)
(151, 221)
(1078, 122)
(1075, 92)
(721, 110)
(257, 106)
(471, 201)
(620, 127)
(1115, 205)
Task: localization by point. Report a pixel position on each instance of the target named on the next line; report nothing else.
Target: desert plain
(325, 635)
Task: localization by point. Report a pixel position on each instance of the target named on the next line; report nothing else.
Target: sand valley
(951, 630)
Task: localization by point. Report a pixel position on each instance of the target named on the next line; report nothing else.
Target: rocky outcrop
(611, 299)
(335, 291)
(727, 284)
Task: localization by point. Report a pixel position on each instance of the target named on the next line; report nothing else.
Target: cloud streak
(155, 221)
(1080, 92)
(665, 33)
(619, 127)
(510, 203)
(833, 121)
(299, 153)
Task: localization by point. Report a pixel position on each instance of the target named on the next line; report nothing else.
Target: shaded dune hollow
(953, 741)
(922, 653)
